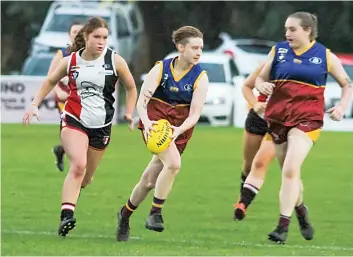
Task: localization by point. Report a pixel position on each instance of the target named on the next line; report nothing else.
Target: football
(161, 138)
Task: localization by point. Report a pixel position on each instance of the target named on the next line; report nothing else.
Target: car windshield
(348, 69)
(215, 72)
(255, 49)
(37, 66)
(62, 22)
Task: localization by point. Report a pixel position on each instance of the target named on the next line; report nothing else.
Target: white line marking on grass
(247, 244)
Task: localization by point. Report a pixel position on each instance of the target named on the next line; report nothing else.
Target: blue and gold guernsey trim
(176, 90)
(308, 66)
(63, 52)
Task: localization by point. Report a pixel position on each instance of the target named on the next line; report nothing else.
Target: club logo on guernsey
(282, 50)
(281, 53)
(188, 87)
(315, 60)
(75, 74)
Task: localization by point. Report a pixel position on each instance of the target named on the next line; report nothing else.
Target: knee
(77, 168)
(260, 165)
(290, 173)
(147, 185)
(173, 167)
(146, 182)
(150, 185)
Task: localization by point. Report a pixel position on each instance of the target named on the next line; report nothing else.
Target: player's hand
(176, 132)
(336, 112)
(32, 111)
(128, 117)
(148, 125)
(259, 107)
(266, 88)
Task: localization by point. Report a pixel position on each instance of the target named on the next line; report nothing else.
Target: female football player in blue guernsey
(175, 89)
(295, 77)
(62, 89)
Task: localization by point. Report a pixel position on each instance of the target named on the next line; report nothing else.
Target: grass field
(198, 213)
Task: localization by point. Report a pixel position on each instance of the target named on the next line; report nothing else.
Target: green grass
(198, 213)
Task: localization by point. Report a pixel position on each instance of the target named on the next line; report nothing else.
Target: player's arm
(197, 103)
(54, 63)
(339, 74)
(50, 82)
(249, 85)
(148, 88)
(260, 82)
(129, 83)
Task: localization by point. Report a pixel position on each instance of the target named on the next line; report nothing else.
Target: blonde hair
(181, 35)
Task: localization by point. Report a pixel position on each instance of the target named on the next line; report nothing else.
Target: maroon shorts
(279, 132)
(176, 115)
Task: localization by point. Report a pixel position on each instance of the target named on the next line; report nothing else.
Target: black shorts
(254, 124)
(98, 138)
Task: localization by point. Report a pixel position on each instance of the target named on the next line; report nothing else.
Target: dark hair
(73, 24)
(181, 35)
(307, 20)
(88, 28)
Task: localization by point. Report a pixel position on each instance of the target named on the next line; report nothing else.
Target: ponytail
(79, 42)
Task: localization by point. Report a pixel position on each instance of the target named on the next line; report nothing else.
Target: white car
(333, 90)
(124, 22)
(219, 106)
(247, 54)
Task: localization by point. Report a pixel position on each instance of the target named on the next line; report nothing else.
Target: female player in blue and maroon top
(295, 77)
(175, 89)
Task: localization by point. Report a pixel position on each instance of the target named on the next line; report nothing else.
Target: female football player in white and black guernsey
(93, 70)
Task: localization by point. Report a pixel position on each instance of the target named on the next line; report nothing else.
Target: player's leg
(58, 150)
(256, 177)
(144, 186)
(298, 147)
(171, 160)
(75, 143)
(251, 145)
(99, 139)
(94, 157)
(255, 130)
(139, 193)
(302, 214)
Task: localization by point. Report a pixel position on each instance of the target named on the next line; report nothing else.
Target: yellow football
(161, 138)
